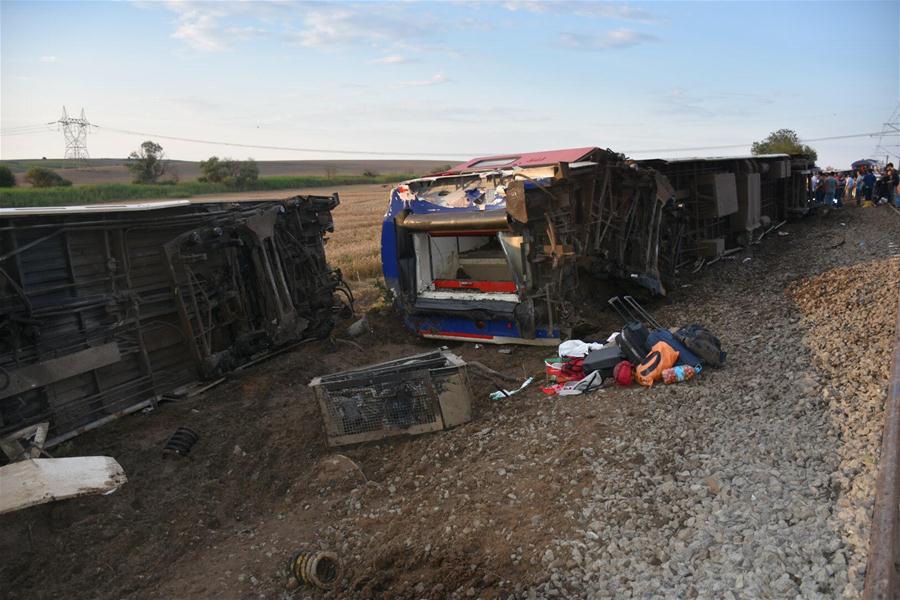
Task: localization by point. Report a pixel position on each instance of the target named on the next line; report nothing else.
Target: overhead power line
(445, 154)
(76, 124)
(745, 144)
(285, 148)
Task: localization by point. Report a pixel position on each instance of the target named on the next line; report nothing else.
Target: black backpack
(703, 343)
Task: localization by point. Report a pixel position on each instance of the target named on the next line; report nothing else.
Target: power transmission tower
(75, 130)
(890, 129)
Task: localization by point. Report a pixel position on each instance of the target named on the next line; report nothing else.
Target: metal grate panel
(388, 405)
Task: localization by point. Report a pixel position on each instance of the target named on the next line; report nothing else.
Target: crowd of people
(866, 186)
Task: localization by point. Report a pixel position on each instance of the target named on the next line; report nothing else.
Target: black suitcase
(633, 342)
(604, 360)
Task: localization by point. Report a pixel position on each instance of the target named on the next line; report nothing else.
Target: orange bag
(661, 357)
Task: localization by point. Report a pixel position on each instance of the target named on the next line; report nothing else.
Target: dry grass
(355, 245)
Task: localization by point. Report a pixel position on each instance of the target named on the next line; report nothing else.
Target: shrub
(233, 173)
(42, 178)
(7, 179)
(369, 173)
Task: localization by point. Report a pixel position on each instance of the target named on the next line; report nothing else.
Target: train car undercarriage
(101, 313)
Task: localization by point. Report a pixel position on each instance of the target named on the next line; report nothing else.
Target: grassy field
(113, 170)
(109, 192)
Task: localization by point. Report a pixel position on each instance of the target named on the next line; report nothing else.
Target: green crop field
(112, 192)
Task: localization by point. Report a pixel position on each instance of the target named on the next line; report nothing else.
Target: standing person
(814, 182)
(888, 183)
(820, 188)
(859, 185)
(830, 188)
(869, 180)
(849, 187)
(839, 194)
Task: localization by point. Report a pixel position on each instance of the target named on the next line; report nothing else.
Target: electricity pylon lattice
(75, 131)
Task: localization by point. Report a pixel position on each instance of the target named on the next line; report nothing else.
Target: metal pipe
(450, 221)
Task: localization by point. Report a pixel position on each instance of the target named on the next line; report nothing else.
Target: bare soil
(468, 512)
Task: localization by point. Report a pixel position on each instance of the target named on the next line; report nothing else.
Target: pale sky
(448, 79)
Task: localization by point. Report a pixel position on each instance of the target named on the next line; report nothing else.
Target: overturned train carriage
(493, 250)
(103, 310)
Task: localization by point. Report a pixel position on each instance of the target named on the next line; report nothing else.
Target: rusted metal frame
(136, 305)
(207, 351)
(190, 338)
(116, 394)
(70, 268)
(608, 222)
(284, 290)
(31, 244)
(881, 567)
(598, 206)
(78, 284)
(21, 286)
(629, 227)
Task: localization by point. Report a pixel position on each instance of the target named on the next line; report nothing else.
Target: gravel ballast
(757, 480)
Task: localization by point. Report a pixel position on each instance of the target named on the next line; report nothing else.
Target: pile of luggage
(643, 351)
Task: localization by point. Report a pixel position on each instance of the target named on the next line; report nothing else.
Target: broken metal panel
(180, 293)
(408, 396)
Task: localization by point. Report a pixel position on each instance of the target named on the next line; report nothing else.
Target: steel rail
(884, 554)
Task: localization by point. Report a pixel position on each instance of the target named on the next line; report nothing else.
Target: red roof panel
(526, 159)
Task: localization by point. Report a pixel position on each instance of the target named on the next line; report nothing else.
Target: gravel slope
(754, 482)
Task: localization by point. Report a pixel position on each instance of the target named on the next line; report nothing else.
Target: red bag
(622, 373)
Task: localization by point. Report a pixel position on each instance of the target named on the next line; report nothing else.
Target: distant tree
(233, 173)
(783, 141)
(7, 179)
(148, 164)
(330, 172)
(41, 177)
(369, 173)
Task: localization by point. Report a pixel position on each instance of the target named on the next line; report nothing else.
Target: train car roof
(523, 159)
(27, 211)
(712, 158)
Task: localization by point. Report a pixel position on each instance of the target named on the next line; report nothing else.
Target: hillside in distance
(112, 170)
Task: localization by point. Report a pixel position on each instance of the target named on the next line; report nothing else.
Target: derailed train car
(492, 250)
(104, 309)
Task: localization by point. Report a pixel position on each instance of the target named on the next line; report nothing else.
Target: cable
(724, 147)
(34, 129)
(444, 154)
(287, 148)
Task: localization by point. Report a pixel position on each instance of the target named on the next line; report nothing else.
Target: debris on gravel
(752, 481)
